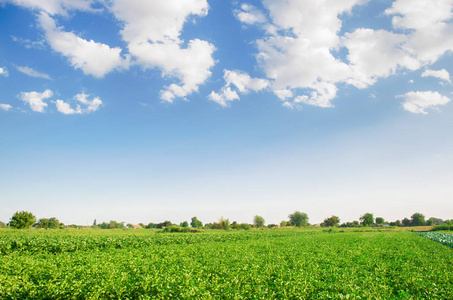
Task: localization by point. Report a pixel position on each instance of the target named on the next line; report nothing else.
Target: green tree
(51, 223)
(22, 219)
(184, 224)
(418, 219)
(367, 219)
(406, 222)
(380, 221)
(333, 221)
(2, 224)
(298, 219)
(195, 223)
(258, 221)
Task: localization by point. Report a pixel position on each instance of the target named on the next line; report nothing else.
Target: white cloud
(249, 14)
(298, 52)
(27, 43)
(240, 81)
(36, 99)
(92, 58)
(3, 72)
(417, 102)
(53, 7)
(33, 73)
(376, 53)
(152, 30)
(84, 105)
(431, 35)
(243, 82)
(441, 74)
(5, 107)
(225, 96)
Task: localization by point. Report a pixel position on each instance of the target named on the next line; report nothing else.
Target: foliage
(444, 227)
(406, 222)
(284, 223)
(351, 224)
(184, 224)
(258, 221)
(163, 224)
(223, 224)
(195, 223)
(111, 225)
(2, 224)
(298, 219)
(258, 264)
(367, 219)
(51, 223)
(333, 221)
(176, 228)
(22, 219)
(434, 221)
(418, 219)
(379, 221)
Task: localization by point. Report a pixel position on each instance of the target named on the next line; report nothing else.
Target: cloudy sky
(143, 111)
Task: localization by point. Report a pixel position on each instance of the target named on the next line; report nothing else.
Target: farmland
(256, 264)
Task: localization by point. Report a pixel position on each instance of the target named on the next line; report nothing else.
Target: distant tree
(258, 221)
(406, 222)
(22, 219)
(434, 221)
(94, 222)
(245, 226)
(367, 219)
(150, 226)
(130, 225)
(184, 224)
(298, 219)
(272, 225)
(284, 223)
(396, 223)
(142, 225)
(380, 221)
(195, 223)
(418, 219)
(2, 224)
(333, 221)
(51, 223)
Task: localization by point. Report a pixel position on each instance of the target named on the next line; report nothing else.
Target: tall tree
(258, 221)
(418, 219)
(22, 219)
(379, 221)
(367, 219)
(298, 219)
(195, 223)
(333, 221)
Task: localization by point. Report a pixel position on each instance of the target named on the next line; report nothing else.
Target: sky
(145, 111)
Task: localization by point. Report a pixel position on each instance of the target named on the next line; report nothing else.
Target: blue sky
(143, 111)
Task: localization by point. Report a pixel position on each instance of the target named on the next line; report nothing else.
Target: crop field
(255, 264)
(440, 237)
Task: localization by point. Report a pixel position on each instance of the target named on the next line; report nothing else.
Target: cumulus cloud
(84, 105)
(3, 72)
(152, 31)
(33, 73)
(417, 102)
(92, 58)
(298, 52)
(431, 35)
(5, 107)
(441, 74)
(53, 7)
(36, 99)
(242, 82)
(249, 14)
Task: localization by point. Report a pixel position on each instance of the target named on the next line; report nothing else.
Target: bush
(176, 228)
(444, 227)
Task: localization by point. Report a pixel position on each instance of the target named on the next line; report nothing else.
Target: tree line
(25, 219)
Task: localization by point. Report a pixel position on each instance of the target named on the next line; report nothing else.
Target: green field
(255, 264)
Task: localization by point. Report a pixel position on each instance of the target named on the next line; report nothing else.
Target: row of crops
(440, 237)
(271, 264)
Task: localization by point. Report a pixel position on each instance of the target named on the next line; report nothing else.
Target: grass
(256, 264)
